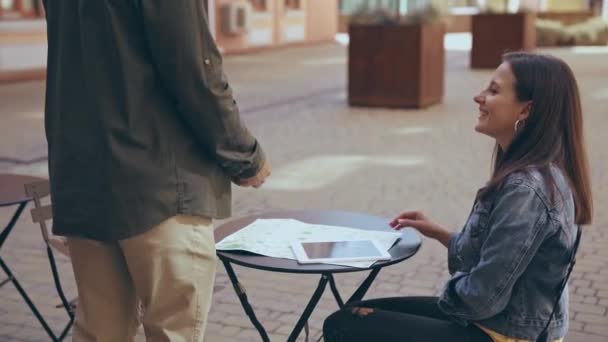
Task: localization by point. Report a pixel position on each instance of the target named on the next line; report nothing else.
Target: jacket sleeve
(190, 67)
(454, 261)
(517, 226)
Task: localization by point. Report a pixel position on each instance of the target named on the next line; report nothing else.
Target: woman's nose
(478, 99)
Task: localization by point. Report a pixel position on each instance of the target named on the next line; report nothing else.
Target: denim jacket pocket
(478, 222)
(474, 235)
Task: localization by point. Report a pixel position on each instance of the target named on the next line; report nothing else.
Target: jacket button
(207, 61)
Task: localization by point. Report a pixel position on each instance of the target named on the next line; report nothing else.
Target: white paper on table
(273, 237)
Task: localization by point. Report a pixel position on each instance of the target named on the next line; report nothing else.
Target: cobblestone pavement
(327, 155)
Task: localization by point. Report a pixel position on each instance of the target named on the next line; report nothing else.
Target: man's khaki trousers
(170, 269)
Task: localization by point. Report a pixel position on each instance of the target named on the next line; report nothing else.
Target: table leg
(334, 290)
(11, 278)
(11, 223)
(6, 231)
(27, 299)
(308, 310)
(359, 293)
(240, 292)
(362, 290)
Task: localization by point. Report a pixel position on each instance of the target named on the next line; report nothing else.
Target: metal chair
(40, 214)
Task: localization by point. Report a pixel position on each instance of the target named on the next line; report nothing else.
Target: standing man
(144, 141)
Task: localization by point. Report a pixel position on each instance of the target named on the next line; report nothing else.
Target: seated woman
(512, 256)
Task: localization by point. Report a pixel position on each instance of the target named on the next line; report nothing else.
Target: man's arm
(190, 67)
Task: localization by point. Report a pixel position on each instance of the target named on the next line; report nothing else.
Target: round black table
(404, 248)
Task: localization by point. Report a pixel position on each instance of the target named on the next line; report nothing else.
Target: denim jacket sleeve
(517, 225)
(190, 66)
(453, 258)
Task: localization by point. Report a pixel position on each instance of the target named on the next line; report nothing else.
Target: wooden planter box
(396, 65)
(497, 33)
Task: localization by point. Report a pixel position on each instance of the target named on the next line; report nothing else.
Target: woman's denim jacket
(511, 256)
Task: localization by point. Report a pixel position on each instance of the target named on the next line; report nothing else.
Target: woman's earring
(517, 124)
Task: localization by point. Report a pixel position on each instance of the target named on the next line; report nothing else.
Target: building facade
(238, 26)
(241, 26)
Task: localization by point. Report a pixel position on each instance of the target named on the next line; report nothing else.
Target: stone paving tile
(377, 161)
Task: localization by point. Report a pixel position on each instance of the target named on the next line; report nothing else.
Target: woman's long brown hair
(553, 131)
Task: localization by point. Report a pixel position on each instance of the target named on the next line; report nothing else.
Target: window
(292, 4)
(349, 7)
(8, 8)
(7, 4)
(259, 5)
(21, 9)
(28, 8)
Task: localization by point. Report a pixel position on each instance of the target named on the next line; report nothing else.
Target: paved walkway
(327, 155)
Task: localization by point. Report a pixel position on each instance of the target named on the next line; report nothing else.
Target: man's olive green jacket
(140, 119)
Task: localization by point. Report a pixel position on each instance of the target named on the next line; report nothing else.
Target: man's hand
(257, 180)
(421, 223)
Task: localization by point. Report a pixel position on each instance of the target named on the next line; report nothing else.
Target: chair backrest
(41, 213)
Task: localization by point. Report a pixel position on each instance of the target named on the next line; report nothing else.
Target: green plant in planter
(365, 16)
(422, 15)
(553, 33)
(591, 32)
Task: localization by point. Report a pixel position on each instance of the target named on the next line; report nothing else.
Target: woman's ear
(525, 111)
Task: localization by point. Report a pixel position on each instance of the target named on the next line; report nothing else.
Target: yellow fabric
(496, 337)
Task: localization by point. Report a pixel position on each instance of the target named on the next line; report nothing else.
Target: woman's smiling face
(499, 107)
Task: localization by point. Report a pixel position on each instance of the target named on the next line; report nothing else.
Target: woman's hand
(418, 221)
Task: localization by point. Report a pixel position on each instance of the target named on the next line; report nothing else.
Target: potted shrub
(495, 33)
(396, 61)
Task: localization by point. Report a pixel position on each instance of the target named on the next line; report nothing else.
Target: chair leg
(69, 308)
(67, 328)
